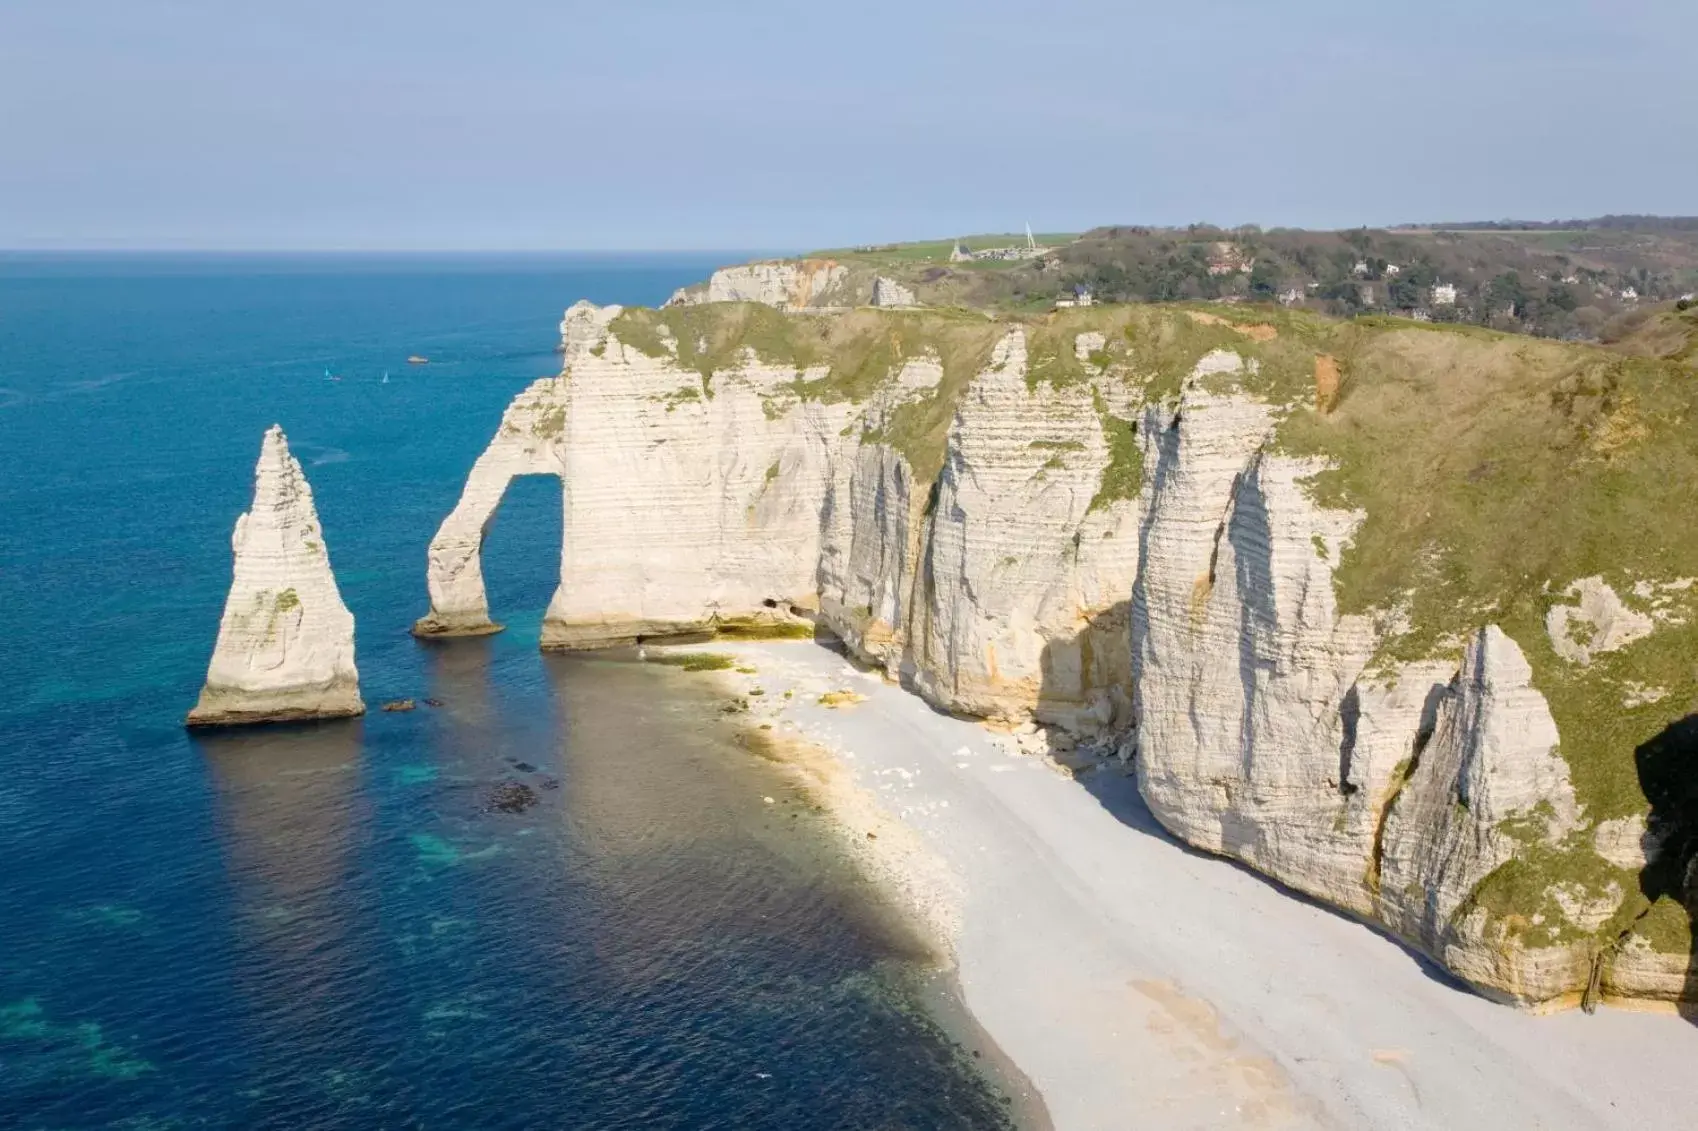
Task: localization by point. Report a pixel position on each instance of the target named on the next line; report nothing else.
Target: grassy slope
(1494, 469)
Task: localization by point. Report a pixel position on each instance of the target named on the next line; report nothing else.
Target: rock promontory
(285, 648)
(1394, 613)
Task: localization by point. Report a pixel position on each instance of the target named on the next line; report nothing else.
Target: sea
(330, 925)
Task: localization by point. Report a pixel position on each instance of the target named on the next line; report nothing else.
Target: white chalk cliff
(285, 646)
(1042, 564)
(890, 293)
(789, 285)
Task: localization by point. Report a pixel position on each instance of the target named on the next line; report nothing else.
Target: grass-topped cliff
(1583, 279)
(1493, 470)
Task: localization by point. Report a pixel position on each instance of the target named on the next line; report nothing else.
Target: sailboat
(385, 380)
(329, 376)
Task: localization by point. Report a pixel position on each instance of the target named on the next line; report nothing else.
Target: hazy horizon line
(99, 250)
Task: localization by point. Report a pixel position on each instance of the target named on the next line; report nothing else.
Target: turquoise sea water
(326, 926)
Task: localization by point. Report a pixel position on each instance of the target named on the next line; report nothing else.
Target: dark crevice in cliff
(1163, 443)
(1349, 716)
(1601, 957)
(1250, 534)
(1401, 777)
(1201, 597)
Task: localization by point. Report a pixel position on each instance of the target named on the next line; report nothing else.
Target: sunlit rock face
(1402, 792)
(1035, 537)
(800, 284)
(726, 501)
(285, 646)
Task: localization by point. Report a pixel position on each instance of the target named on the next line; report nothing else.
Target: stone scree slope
(285, 646)
(1200, 609)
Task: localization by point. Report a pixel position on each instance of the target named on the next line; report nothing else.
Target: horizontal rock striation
(755, 497)
(1206, 527)
(285, 646)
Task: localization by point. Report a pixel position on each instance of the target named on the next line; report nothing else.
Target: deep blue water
(324, 926)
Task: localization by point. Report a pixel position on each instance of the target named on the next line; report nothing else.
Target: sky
(654, 124)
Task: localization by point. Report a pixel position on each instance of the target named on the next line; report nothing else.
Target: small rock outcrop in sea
(285, 647)
(512, 797)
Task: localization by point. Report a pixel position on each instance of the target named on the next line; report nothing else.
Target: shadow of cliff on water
(1668, 776)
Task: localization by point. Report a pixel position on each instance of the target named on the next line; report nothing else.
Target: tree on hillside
(1505, 293)
(1404, 293)
(1264, 280)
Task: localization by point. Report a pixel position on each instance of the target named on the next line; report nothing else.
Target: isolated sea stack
(285, 647)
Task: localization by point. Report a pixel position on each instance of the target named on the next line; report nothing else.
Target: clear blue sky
(662, 124)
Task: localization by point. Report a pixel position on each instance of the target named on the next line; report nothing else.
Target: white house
(1444, 294)
(1628, 294)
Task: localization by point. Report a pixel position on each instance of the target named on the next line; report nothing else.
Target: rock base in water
(220, 707)
(433, 625)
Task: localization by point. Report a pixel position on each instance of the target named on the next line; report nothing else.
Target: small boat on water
(385, 380)
(416, 359)
(329, 376)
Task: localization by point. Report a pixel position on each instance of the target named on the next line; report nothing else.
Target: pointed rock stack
(286, 644)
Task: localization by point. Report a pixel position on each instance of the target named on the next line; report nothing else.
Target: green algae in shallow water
(352, 1089)
(457, 1009)
(415, 774)
(107, 915)
(278, 914)
(695, 661)
(77, 1049)
(435, 852)
(439, 932)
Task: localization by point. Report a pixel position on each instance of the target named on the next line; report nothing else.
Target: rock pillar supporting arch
(527, 443)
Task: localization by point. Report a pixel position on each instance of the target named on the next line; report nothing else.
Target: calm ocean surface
(323, 927)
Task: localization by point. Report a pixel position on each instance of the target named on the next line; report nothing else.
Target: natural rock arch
(527, 443)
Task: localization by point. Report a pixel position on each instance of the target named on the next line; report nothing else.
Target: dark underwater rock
(512, 797)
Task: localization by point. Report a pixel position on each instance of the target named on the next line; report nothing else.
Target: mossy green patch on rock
(551, 422)
(1521, 896)
(695, 661)
(1124, 475)
(683, 395)
(1666, 927)
(765, 630)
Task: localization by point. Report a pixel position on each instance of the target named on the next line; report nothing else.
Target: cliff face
(1349, 583)
(789, 285)
(285, 646)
